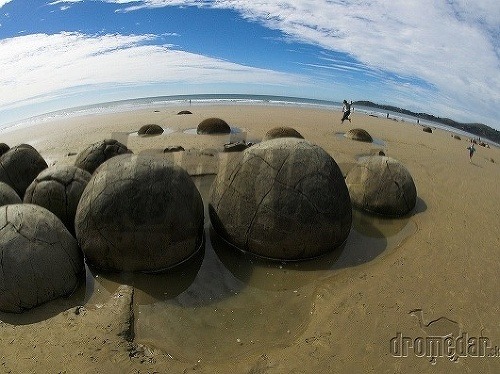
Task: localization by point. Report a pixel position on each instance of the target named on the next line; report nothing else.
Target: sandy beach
(429, 274)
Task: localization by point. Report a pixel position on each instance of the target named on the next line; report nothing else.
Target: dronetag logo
(450, 347)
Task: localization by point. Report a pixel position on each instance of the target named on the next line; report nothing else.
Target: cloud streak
(454, 46)
(35, 66)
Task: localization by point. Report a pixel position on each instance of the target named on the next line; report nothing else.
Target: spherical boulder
(359, 135)
(59, 189)
(94, 155)
(282, 132)
(284, 199)
(382, 185)
(139, 213)
(8, 195)
(41, 260)
(150, 129)
(19, 166)
(213, 126)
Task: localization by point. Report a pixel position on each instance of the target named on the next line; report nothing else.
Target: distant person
(471, 151)
(346, 109)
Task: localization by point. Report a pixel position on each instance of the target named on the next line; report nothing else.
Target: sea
(215, 99)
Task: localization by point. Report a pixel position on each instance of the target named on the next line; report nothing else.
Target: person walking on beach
(471, 151)
(346, 109)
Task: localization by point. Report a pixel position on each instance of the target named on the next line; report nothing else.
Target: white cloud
(453, 46)
(37, 66)
(3, 2)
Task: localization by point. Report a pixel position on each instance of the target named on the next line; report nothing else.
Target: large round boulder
(282, 132)
(150, 129)
(139, 213)
(359, 135)
(382, 185)
(8, 195)
(41, 260)
(59, 189)
(283, 199)
(213, 126)
(19, 166)
(95, 154)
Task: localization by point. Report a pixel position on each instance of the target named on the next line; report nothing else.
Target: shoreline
(446, 266)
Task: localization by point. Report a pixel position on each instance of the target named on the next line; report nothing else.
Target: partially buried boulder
(213, 126)
(235, 147)
(184, 112)
(139, 213)
(59, 189)
(359, 135)
(427, 129)
(282, 132)
(41, 261)
(94, 155)
(8, 195)
(19, 166)
(382, 185)
(150, 129)
(283, 199)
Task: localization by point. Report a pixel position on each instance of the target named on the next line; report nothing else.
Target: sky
(440, 57)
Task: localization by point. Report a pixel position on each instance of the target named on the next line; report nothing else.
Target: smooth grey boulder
(95, 154)
(59, 189)
(19, 166)
(282, 132)
(382, 185)
(8, 195)
(284, 199)
(213, 126)
(139, 213)
(41, 260)
(359, 135)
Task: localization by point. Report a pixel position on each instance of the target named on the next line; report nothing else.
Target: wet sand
(232, 312)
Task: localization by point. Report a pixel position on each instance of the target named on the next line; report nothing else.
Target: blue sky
(439, 57)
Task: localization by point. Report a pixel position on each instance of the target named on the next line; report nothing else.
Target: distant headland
(479, 129)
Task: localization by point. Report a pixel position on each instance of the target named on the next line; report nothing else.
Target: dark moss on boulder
(382, 185)
(282, 132)
(284, 199)
(359, 135)
(3, 148)
(213, 126)
(41, 260)
(59, 189)
(139, 213)
(8, 195)
(95, 154)
(150, 129)
(19, 166)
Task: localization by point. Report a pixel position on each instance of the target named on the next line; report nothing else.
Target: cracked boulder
(382, 185)
(40, 259)
(8, 195)
(94, 155)
(150, 129)
(3, 148)
(59, 189)
(359, 135)
(139, 213)
(282, 199)
(282, 132)
(19, 166)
